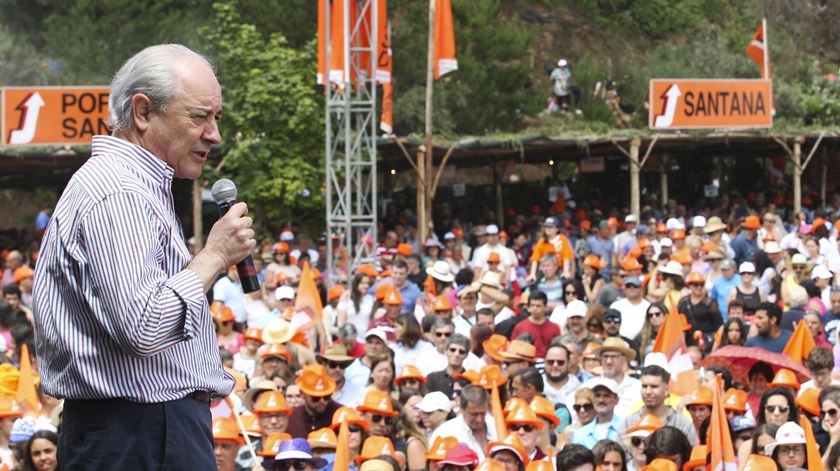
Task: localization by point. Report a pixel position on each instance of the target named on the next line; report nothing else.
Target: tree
(273, 121)
(20, 63)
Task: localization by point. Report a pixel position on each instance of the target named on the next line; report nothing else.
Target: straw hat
(441, 271)
(519, 350)
(714, 224)
(314, 381)
(336, 353)
(264, 385)
(616, 344)
(491, 279)
(278, 330)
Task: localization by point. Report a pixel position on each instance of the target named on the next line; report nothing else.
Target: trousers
(110, 434)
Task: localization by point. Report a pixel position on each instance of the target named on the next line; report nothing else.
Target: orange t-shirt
(560, 247)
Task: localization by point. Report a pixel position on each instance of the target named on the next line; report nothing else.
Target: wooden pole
(797, 174)
(421, 194)
(198, 222)
(426, 165)
(663, 180)
(497, 188)
(824, 178)
(634, 176)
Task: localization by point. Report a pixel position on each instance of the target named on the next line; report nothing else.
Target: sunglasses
(334, 365)
(354, 428)
(518, 427)
(583, 407)
(387, 420)
(459, 351)
(630, 285)
(572, 292)
(555, 362)
(594, 325)
(773, 409)
(696, 285)
(655, 314)
(791, 449)
(636, 441)
(830, 412)
(287, 465)
(612, 320)
(443, 334)
(319, 399)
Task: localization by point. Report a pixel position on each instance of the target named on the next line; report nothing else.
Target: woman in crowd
(747, 291)
(282, 264)
(432, 251)
(777, 407)
(382, 375)
(356, 305)
(592, 281)
(41, 451)
(595, 320)
(734, 332)
(409, 341)
(226, 337)
(415, 441)
(609, 456)
(701, 310)
(584, 407)
(653, 320)
(830, 415)
(789, 451)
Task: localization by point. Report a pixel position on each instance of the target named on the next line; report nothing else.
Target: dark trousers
(118, 434)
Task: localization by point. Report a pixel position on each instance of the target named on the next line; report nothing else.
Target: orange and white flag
(384, 56)
(342, 449)
(670, 341)
(445, 60)
(800, 344)
(757, 50)
(27, 394)
(308, 299)
(814, 459)
(719, 442)
(322, 40)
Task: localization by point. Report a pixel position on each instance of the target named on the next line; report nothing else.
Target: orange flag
(670, 341)
(800, 344)
(342, 450)
(383, 45)
(813, 452)
(445, 60)
(719, 442)
(26, 392)
(386, 120)
(322, 40)
(498, 414)
(757, 50)
(308, 299)
(336, 65)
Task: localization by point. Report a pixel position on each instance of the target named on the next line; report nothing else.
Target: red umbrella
(738, 360)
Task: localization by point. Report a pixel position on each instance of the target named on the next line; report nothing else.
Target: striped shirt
(117, 313)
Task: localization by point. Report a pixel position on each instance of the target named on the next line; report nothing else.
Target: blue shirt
(603, 248)
(410, 294)
(771, 344)
(588, 435)
(720, 292)
(744, 248)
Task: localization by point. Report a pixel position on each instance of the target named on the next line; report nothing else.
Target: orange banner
(52, 115)
(731, 104)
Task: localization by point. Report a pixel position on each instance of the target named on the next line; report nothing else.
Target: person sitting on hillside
(565, 94)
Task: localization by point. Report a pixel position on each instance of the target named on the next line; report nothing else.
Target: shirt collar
(150, 167)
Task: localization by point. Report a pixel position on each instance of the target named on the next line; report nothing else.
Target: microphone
(224, 193)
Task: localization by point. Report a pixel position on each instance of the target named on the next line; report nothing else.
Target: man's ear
(141, 111)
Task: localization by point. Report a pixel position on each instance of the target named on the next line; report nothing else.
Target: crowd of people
(555, 316)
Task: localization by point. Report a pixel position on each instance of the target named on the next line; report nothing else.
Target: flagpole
(766, 49)
(424, 163)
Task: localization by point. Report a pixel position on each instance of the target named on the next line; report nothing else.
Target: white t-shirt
(408, 356)
(359, 319)
(632, 316)
(431, 360)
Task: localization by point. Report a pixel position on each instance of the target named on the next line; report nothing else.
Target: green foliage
(20, 63)
(273, 120)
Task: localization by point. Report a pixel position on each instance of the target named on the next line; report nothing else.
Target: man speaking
(123, 328)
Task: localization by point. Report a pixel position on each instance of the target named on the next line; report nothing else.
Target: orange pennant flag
(670, 341)
(386, 120)
(27, 394)
(383, 45)
(814, 459)
(308, 298)
(757, 50)
(445, 60)
(336, 65)
(719, 441)
(342, 449)
(800, 344)
(498, 414)
(322, 40)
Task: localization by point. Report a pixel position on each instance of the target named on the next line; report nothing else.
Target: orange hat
(280, 247)
(469, 375)
(785, 378)
(695, 277)
(660, 464)
(272, 444)
(759, 463)
(818, 222)
(272, 402)
(709, 246)
(510, 443)
(493, 258)
(252, 425)
(504, 235)
(591, 350)
(735, 400)
(612, 221)
(513, 403)
(490, 376)
(661, 228)
(376, 446)
(441, 445)
(630, 264)
(522, 351)
(382, 290)
(539, 465)
(349, 415)
(649, 424)
(253, 333)
(392, 298)
(458, 232)
(367, 269)
(809, 401)
(635, 252)
(322, 438)
(335, 292)
(489, 464)
(751, 222)
(681, 259)
(314, 381)
(702, 396)
(377, 402)
(586, 224)
(442, 303)
(275, 350)
(494, 346)
(404, 249)
(645, 243)
(410, 372)
(225, 428)
(678, 234)
(698, 458)
(524, 415)
(592, 261)
(22, 273)
(10, 407)
(545, 409)
(385, 273)
(224, 314)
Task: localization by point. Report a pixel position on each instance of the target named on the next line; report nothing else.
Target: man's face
(335, 370)
(274, 423)
(486, 319)
(577, 324)
(521, 390)
(441, 335)
(654, 391)
(556, 364)
(316, 405)
(399, 275)
(605, 401)
(762, 322)
(474, 416)
(182, 135)
(822, 377)
(455, 355)
(735, 312)
(537, 308)
(631, 291)
(814, 324)
(612, 325)
(614, 364)
(835, 303)
(374, 346)
(13, 300)
(378, 423)
(392, 311)
(467, 301)
(548, 268)
(225, 452)
(271, 365)
(413, 266)
(728, 273)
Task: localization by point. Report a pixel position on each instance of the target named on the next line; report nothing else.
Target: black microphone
(224, 193)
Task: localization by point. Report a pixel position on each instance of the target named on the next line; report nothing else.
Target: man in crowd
(466, 315)
(409, 292)
(471, 426)
(724, 285)
(746, 244)
(551, 284)
(615, 356)
(576, 324)
(526, 384)
(318, 407)
(335, 360)
(770, 336)
(613, 320)
(358, 372)
(378, 412)
(456, 349)
(537, 324)
(606, 424)
(654, 391)
(632, 308)
(558, 383)
(435, 359)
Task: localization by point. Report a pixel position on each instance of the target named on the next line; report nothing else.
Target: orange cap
(494, 346)
(540, 465)
(314, 381)
(322, 438)
(382, 290)
(404, 249)
(275, 350)
(511, 443)
(592, 261)
(280, 247)
(224, 314)
(698, 458)
(513, 403)
(335, 292)
(545, 409)
(489, 464)
(524, 415)
(660, 464)
(385, 273)
(695, 277)
(490, 376)
(702, 396)
(252, 425)
(10, 407)
(493, 258)
(376, 446)
(709, 246)
(809, 401)
(649, 423)
(469, 375)
(612, 221)
(751, 222)
(272, 444)
(785, 378)
(630, 264)
(392, 298)
(519, 350)
(735, 400)
(661, 228)
(678, 234)
(367, 269)
(377, 402)
(441, 445)
(681, 259)
(253, 333)
(22, 273)
(818, 222)
(645, 243)
(442, 303)
(591, 350)
(759, 463)
(225, 428)
(349, 415)
(635, 252)
(410, 372)
(586, 224)
(272, 402)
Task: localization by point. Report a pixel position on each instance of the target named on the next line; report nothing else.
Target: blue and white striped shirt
(117, 313)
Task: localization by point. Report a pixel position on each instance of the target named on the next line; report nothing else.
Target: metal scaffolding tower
(351, 126)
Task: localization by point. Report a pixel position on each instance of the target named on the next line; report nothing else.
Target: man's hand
(230, 240)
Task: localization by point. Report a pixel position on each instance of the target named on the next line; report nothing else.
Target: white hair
(152, 73)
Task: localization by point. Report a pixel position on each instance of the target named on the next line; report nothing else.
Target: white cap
(790, 433)
(492, 229)
(746, 267)
(630, 218)
(287, 236)
(771, 247)
(602, 382)
(666, 242)
(658, 359)
(435, 401)
(378, 333)
(562, 63)
(284, 292)
(798, 259)
(698, 221)
(576, 308)
(821, 272)
(674, 223)
(448, 236)
(672, 268)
